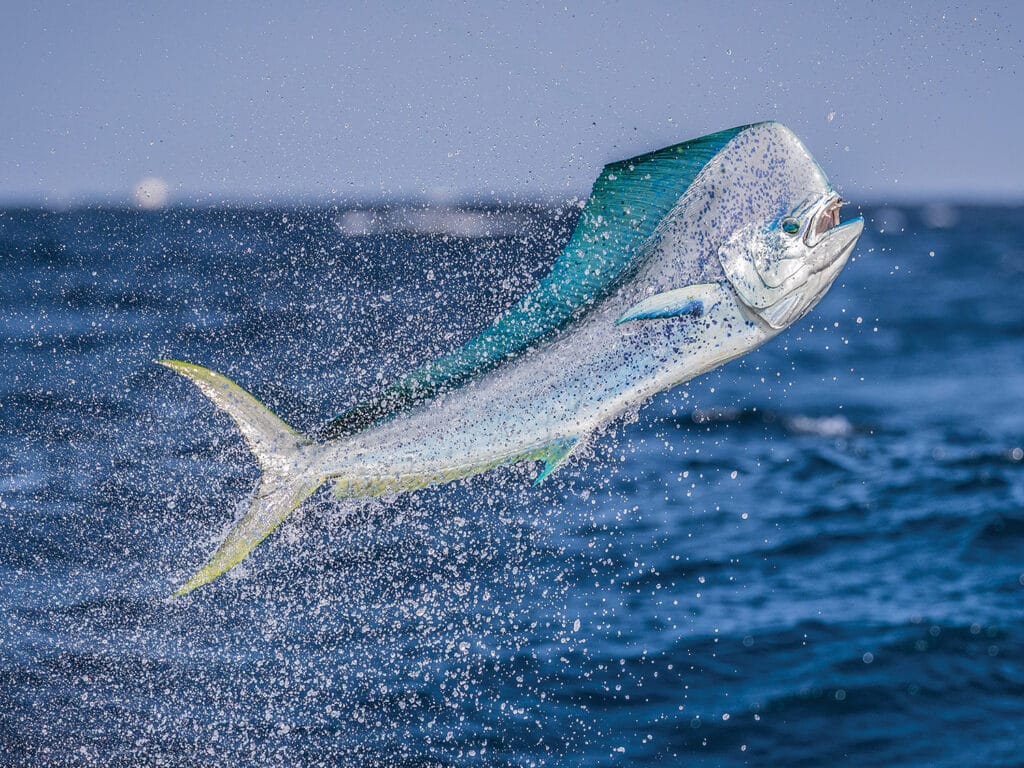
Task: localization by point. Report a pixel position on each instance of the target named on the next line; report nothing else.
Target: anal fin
(554, 456)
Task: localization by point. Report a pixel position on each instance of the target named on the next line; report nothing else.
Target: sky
(248, 101)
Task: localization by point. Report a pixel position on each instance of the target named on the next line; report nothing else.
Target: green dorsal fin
(629, 199)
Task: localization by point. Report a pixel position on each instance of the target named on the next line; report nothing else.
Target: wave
(832, 425)
(453, 221)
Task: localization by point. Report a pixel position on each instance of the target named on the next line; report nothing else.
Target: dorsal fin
(628, 201)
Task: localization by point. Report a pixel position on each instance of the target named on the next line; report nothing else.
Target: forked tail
(276, 446)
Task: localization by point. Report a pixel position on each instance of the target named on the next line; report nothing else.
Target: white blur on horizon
(151, 193)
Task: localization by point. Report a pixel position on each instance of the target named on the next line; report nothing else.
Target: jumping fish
(681, 260)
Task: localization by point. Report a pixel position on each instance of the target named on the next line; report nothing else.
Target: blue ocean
(812, 556)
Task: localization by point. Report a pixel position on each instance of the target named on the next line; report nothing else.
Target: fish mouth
(826, 219)
(840, 240)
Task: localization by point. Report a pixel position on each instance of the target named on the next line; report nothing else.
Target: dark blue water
(812, 557)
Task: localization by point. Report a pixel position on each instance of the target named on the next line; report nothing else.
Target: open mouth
(827, 218)
(840, 240)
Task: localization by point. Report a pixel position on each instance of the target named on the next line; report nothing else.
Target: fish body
(682, 260)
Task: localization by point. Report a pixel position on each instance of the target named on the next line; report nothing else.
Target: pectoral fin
(694, 300)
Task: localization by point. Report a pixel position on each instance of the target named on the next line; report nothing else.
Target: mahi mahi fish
(682, 259)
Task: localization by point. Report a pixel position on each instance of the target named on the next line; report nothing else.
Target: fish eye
(790, 225)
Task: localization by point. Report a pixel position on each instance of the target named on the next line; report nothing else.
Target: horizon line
(462, 200)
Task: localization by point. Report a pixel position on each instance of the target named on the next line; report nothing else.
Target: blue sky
(276, 102)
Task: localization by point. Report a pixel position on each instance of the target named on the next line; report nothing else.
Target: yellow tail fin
(277, 448)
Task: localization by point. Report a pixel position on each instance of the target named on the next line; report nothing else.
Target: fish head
(787, 253)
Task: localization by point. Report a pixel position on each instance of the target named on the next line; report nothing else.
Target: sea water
(814, 556)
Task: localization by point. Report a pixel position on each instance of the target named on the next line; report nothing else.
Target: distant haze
(237, 101)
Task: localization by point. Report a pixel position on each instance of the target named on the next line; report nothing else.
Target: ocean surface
(813, 556)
